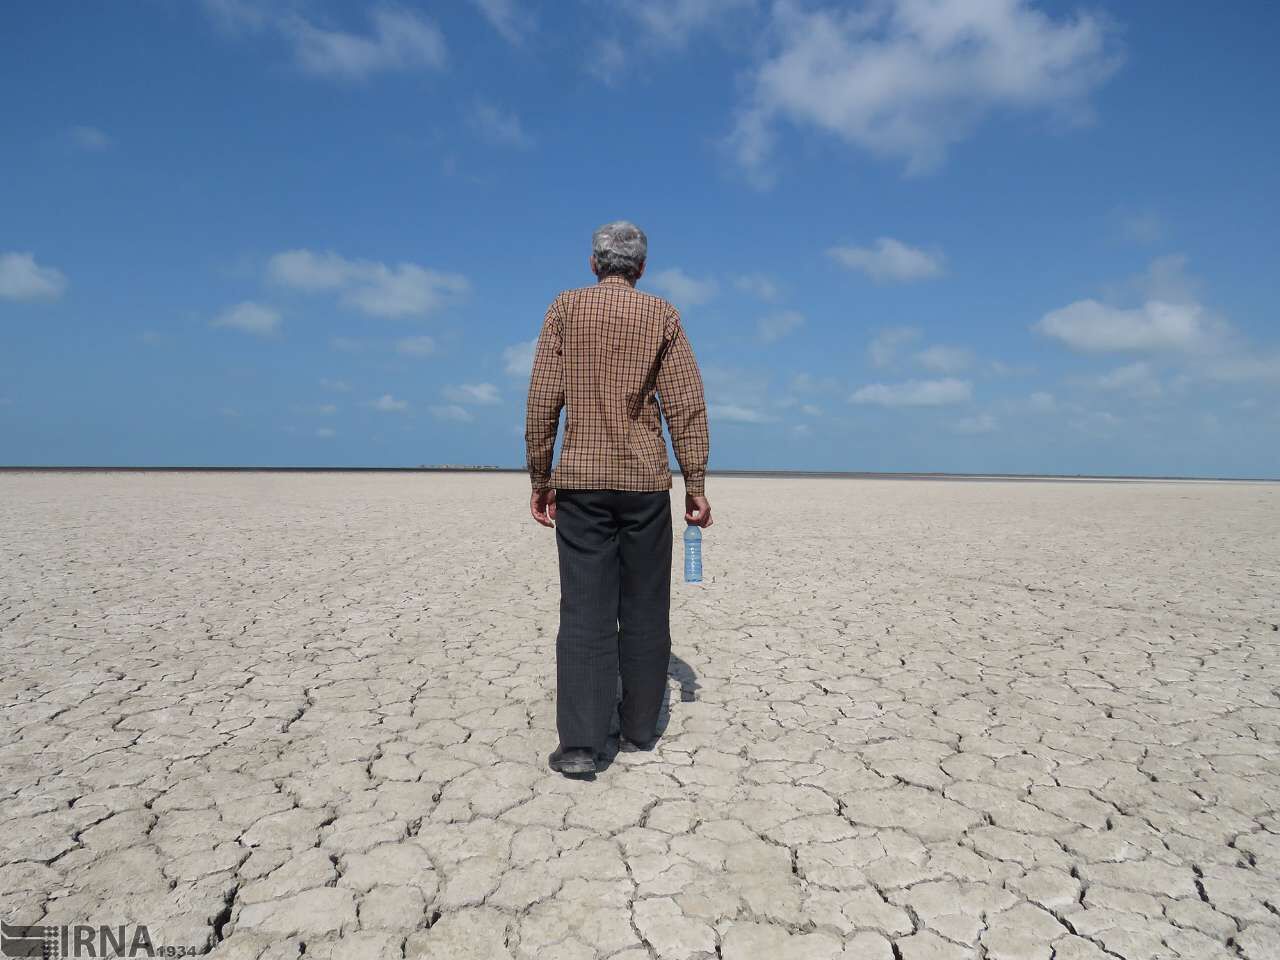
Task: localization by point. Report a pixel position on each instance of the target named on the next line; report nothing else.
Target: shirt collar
(615, 278)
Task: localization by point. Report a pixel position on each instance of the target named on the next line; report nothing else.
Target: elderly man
(609, 354)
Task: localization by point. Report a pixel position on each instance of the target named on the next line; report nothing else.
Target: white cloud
(1169, 318)
(982, 423)
(1170, 321)
(685, 290)
(811, 410)
(416, 346)
(776, 326)
(737, 413)
(1042, 402)
(757, 285)
(914, 393)
(249, 317)
(311, 272)
(406, 289)
(884, 348)
(21, 278)
(89, 138)
(1136, 379)
(890, 260)
(673, 22)
(498, 126)
(324, 433)
(517, 359)
(908, 78)
(236, 15)
(389, 404)
(452, 412)
(751, 145)
(606, 60)
(509, 18)
(338, 386)
(400, 40)
(1155, 325)
(944, 359)
(735, 386)
(1240, 369)
(664, 26)
(807, 383)
(481, 393)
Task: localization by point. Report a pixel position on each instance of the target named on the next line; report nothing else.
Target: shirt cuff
(540, 481)
(694, 484)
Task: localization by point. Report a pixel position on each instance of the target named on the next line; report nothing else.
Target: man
(603, 354)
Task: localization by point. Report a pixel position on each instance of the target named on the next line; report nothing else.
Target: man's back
(608, 354)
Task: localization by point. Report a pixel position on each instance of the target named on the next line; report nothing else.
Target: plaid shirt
(603, 353)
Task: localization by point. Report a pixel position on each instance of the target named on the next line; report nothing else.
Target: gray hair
(619, 248)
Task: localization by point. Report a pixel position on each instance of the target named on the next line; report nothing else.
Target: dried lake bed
(267, 714)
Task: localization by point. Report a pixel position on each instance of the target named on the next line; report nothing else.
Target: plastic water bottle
(692, 554)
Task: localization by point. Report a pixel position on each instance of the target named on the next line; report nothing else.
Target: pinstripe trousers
(615, 607)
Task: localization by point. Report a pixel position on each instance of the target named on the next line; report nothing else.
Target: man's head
(619, 249)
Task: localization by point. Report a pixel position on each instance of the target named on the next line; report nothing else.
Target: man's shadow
(687, 682)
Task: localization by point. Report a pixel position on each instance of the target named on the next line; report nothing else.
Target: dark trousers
(615, 612)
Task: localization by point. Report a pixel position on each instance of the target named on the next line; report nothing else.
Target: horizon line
(728, 472)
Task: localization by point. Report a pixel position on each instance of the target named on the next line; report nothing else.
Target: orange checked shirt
(609, 355)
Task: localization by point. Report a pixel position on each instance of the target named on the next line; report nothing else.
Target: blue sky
(904, 235)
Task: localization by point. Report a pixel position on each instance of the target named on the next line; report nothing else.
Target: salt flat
(264, 713)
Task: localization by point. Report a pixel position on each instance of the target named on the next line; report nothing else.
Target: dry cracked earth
(274, 715)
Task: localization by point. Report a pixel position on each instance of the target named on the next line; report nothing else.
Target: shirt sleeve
(684, 407)
(546, 400)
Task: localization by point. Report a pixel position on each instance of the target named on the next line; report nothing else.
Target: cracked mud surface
(270, 715)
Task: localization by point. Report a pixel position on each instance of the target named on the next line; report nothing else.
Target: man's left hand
(543, 507)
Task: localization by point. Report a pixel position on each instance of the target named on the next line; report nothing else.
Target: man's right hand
(697, 511)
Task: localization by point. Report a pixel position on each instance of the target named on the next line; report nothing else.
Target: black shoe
(627, 745)
(573, 760)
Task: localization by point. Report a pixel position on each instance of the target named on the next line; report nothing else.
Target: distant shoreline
(755, 474)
